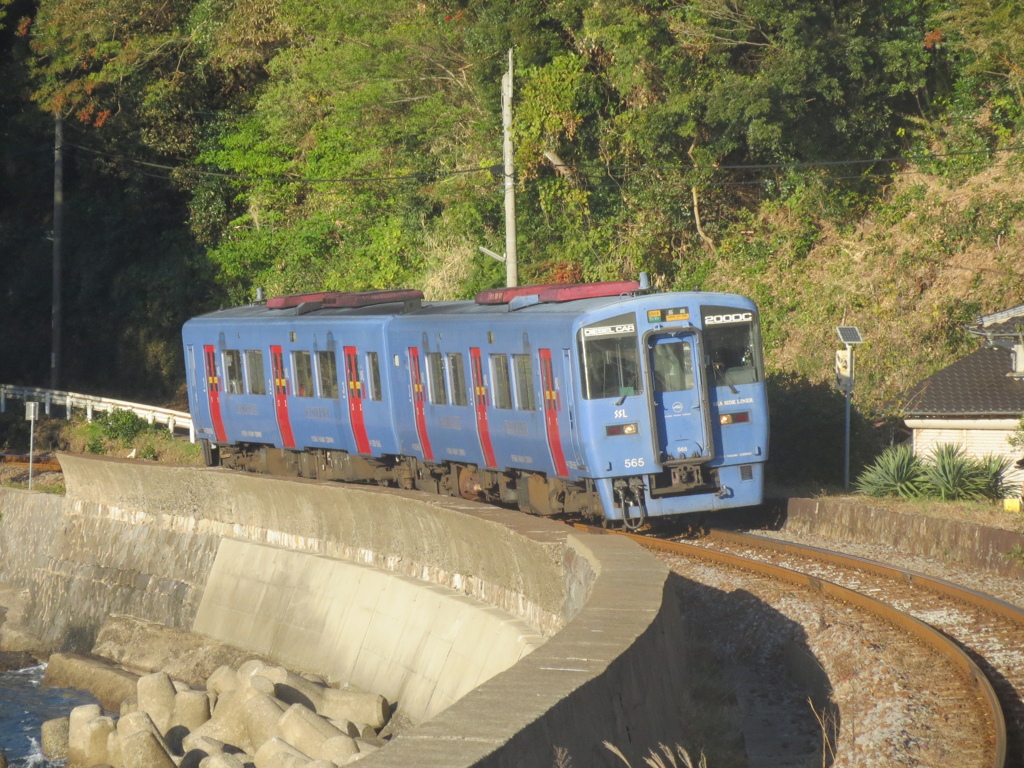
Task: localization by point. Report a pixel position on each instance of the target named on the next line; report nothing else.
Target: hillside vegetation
(844, 163)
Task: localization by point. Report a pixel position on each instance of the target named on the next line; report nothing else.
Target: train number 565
(633, 463)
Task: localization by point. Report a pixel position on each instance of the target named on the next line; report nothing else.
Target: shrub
(948, 474)
(897, 472)
(951, 475)
(121, 425)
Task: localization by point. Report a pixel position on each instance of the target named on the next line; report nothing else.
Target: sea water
(24, 706)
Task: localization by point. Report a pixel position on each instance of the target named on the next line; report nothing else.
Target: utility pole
(58, 224)
(511, 256)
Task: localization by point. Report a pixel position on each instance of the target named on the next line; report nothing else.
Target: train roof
(436, 309)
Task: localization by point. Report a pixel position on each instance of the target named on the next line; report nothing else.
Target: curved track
(983, 679)
(40, 464)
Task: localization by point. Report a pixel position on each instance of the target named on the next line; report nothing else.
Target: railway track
(39, 464)
(965, 649)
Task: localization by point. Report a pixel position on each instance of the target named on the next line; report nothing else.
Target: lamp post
(850, 336)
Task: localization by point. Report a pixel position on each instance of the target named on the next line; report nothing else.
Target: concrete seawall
(507, 637)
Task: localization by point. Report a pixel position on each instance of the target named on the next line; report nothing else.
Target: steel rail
(925, 633)
(41, 463)
(949, 589)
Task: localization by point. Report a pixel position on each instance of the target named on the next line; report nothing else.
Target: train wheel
(469, 484)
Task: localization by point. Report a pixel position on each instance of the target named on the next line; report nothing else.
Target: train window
(254, 370)
(457, 372)
(610, 358)
(524, 382)
(731, 345)
(435, 377)
(673, 366)
(373, 363)
(501, 385)
(328, 368)
(302, 373)
(233, 372)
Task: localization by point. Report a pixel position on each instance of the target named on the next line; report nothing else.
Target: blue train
(600, 399)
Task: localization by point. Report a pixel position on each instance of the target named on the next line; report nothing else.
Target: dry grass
(663, 757)
(907, 275)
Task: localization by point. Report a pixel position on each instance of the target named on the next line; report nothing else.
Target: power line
(279, 179)
(583, 167)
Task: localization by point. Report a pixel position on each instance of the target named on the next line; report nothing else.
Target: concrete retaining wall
(173, 545)
(958, 541)
(422, 645)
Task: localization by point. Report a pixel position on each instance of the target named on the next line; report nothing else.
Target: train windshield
(731, 346)
(610, 358)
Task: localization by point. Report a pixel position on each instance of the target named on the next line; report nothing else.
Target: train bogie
(602, 399)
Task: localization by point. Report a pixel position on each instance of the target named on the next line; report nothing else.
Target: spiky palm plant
(896, 472)
(994, 469)
(952, 475)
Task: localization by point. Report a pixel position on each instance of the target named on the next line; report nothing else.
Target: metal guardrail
(174, 420)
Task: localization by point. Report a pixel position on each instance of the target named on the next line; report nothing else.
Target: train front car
(673, 414)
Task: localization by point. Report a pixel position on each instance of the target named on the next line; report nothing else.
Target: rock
(54, 738)
(156, 697)
(106, 681)
(146, 645)
(261, 715)
(356, 706)
(223, 760)
(339, 749)
(142, 749)
(16, 660)
(305, 730)
(277, 753)
(78, 734)
(191, 709)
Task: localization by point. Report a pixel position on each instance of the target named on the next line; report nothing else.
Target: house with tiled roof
(978, 401)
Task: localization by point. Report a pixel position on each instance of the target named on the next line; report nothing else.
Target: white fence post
(173, 419)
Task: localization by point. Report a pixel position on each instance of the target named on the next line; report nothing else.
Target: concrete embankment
(505, 637)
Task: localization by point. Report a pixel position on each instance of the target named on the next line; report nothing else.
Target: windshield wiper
(720, 373)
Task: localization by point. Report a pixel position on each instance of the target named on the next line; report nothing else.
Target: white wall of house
(979, 437)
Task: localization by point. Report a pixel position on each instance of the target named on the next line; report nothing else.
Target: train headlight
(734, 418)
(621, 429)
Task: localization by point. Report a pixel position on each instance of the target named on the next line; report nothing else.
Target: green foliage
(1016, 440)
(807, 424)
(951, 475)
(121, 425)
(896, 472)
(948, 474)
(353, 142)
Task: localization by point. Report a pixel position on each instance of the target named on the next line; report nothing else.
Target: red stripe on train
(480, 406)
(213, 393)
(419, 399)
(355, 400)
(284, 422)
(552, 405)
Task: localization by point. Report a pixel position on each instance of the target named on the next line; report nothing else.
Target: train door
(569, 389)
(213, 393)
(355, 399)
(419, 403)
(281, 396)
(480, 407)
(679, 402)
(552, 405)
